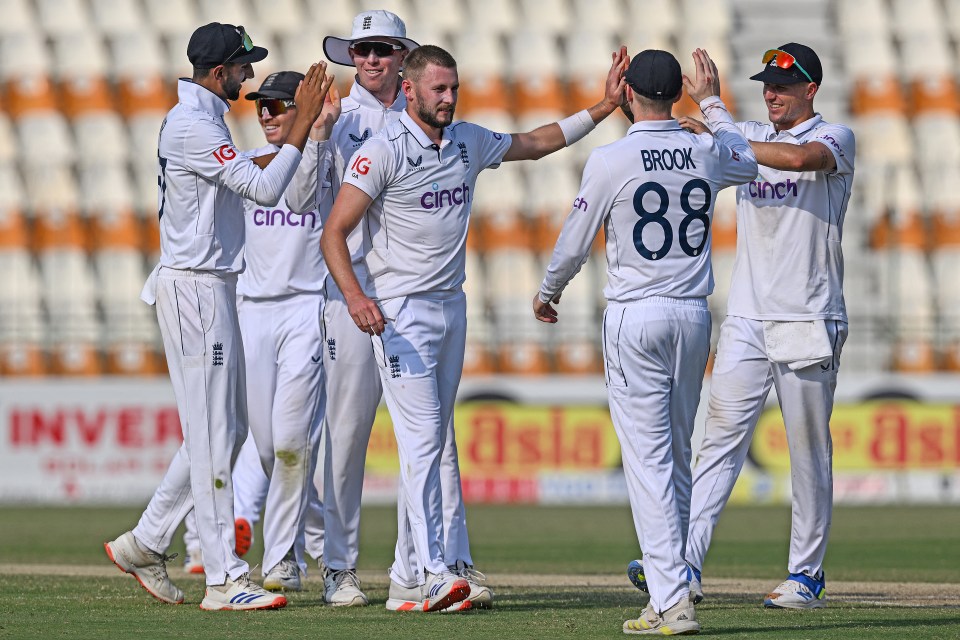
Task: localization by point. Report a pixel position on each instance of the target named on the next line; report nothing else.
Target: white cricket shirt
(282, 250)
(415, 230)
(203, 181)
(789, 263)
(317, 182)
(653, 191)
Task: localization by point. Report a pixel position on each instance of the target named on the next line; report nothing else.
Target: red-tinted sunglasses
(274, 106)
(784, 60)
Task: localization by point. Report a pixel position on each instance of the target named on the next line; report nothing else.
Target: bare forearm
(333, 245)
(793, 157)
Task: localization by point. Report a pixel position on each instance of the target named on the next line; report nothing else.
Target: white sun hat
(367, 25)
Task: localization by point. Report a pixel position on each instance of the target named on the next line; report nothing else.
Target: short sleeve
(491, 146)
(841, 142)
(371, 167)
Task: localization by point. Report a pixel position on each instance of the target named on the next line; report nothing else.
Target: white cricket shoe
(285, 576)
(678, 620)
(798, 591)
(342, 589)
(239, 595)
(147, 566)
(481, 597)
(441, 590)
(193, 561)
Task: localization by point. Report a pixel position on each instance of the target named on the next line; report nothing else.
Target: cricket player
(281, 310)
(653, 191)
(203, 180)
(786, 319)
(376, 49)
(412, 185)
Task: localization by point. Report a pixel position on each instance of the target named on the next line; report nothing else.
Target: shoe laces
(287, 569)
(346, 577)
(471, 574)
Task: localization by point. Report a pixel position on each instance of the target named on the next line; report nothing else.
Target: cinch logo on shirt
(281, 218)
(580, 203)
(437, 198)
(829, 139)
(773, 190)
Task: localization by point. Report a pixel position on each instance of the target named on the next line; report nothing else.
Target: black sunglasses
(382, 49)
(245, 43)
(274, 106)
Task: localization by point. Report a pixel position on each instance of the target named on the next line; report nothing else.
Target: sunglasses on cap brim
(784, 60)
(274, 106)
(246, 43)
(382, 49)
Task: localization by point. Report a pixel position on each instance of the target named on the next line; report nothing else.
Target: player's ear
(811, 91)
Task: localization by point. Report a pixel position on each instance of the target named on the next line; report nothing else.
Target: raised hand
(693, 125)
(323, 125)
(312, 91)
(614, 87)
(707, 82)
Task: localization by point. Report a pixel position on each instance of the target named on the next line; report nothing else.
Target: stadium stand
(84, 85)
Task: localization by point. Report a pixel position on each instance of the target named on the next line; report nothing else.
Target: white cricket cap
(367, 25)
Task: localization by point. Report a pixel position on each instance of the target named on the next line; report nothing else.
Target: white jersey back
(282, 251)
(789, 263)
(415, 230)
(653, 191)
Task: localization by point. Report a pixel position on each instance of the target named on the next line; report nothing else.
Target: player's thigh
(742, 375)
(300, 374)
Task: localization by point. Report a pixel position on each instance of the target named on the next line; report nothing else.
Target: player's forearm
(793, 157)
(305, 190)
(333, 245)
(269, 185)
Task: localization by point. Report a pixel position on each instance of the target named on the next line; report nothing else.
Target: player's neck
(210, 84)
(786, 126)
(435, 134)
(387, 95)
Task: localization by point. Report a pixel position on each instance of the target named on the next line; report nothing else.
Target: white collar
(195, 96)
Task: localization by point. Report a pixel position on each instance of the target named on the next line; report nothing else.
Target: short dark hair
(419, 58)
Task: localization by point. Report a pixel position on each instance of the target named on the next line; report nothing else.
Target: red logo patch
(361, 165)
(225, 154)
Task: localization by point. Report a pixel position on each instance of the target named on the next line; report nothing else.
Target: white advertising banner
(77, 441)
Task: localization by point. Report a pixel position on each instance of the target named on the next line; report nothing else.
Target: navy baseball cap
(790, 63)
(214, 44)
(281, 85)
(655, 74)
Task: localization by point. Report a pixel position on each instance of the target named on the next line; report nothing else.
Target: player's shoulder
(834, 128)
(754, 129)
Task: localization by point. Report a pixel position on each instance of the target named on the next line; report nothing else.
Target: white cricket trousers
(655, 353)
(420, 357)
(249, 492)
(742, 377)
(353, 394)
(283, 343)
(197, 312)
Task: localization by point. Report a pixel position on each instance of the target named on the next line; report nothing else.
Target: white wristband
(576, 126)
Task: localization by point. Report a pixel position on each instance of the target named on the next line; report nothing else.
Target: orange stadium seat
(934, 94)
(883, 94)
(482, 64)
(523, 358)
(535, 69)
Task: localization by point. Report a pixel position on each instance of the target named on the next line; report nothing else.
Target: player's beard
(430, 117)
(231, 87)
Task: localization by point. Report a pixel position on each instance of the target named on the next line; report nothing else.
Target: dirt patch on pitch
(903, 594)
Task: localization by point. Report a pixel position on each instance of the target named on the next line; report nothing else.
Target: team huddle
(294, 332)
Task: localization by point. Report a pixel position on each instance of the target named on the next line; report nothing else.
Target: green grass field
(80, 594)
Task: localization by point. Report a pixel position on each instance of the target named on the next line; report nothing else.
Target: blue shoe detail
(817, 587)
(635, 573)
